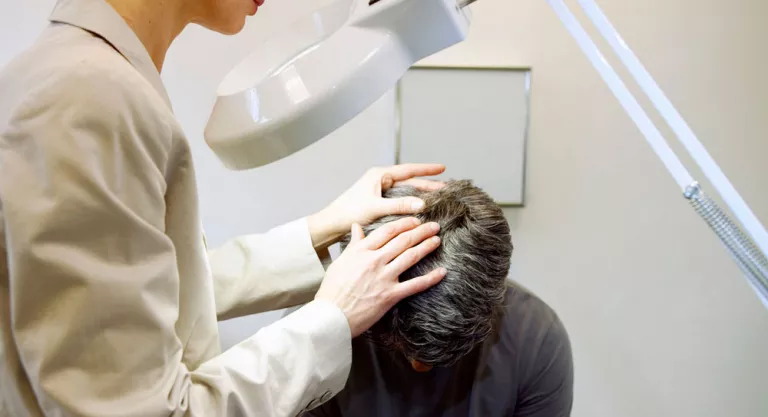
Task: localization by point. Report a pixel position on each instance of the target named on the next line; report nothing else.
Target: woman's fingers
(403, 205)
(404, 172)
(410, 257)
(406, 241)
(357, 234)
(389, 231)
(418, 284)
(422, 184)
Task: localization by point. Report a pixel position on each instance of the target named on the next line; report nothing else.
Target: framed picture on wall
(473, 120)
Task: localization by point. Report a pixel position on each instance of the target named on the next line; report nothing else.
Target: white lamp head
(305, 82)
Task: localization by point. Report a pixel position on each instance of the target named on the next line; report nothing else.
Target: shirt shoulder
(79, 66)
(525, 311)
(529, 327)
(544, 361)
(71, 80)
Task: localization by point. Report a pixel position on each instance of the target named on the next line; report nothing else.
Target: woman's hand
(363, 202)
(364, 281)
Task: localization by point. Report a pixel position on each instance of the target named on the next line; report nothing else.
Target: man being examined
(475, 345)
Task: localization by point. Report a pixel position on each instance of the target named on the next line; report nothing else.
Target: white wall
(661, 321)
(662, 324)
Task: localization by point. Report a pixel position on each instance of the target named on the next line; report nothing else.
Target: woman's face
(223, 16)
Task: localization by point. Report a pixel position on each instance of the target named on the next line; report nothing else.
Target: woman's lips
(256, 4)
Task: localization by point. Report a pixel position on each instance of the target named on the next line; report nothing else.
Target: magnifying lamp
(307, 81)
(303, 83)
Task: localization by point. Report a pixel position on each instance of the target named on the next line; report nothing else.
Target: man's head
(444, 323)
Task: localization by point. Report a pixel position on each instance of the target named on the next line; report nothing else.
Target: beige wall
(661, 321)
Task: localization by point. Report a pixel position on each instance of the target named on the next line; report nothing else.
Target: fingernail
(417, 205)
(435, 227)
(436, 239)
(442, 271)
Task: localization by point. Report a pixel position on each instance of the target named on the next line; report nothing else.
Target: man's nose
(420, 367)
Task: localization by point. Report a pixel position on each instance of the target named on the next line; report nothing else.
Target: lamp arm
(749, 250)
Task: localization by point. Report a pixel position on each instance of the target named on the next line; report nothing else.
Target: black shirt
(525, 369)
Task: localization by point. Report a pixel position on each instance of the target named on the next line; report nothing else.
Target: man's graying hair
(441, 325)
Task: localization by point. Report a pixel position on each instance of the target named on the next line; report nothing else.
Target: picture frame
(476, 120)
